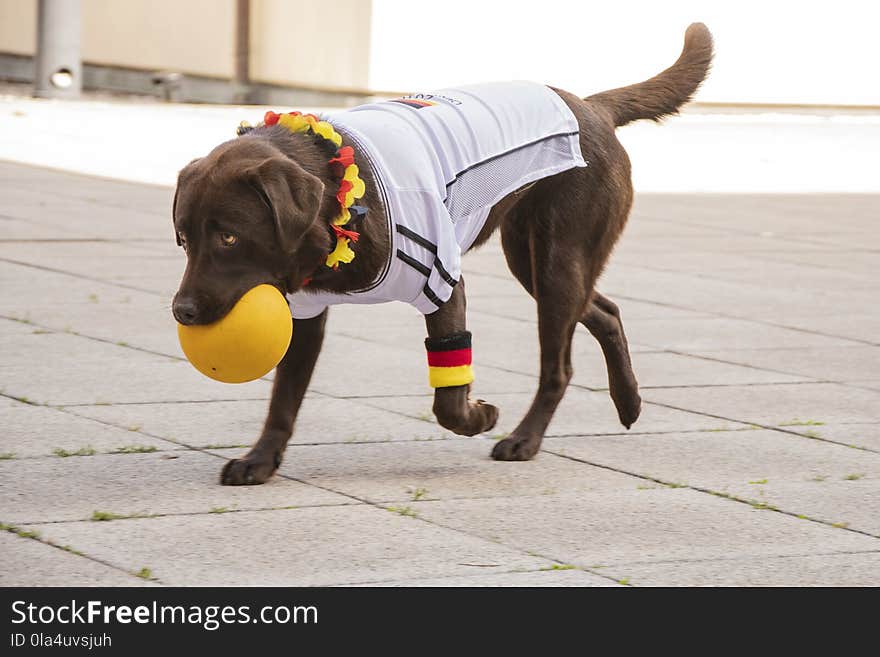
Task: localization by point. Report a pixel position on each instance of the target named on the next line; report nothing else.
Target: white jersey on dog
(441, 161)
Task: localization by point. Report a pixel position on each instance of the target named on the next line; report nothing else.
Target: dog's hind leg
(602, 319)
(553, 271)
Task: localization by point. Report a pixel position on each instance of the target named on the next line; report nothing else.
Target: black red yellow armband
(449, 360)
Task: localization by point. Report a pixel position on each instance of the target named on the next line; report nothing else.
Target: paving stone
(235, 423)
(160, 246)
(39, 431)
(17, 231)
(32, 289)
(862, 569)
(724, 264)
(56, 489)
(113, 321)
(797, 475)
(63, 369)
(861, 262)
(619, 527)
(777, 404)
(825, 364)
(53, 182)
(8, 402)
(163, 285)
(298, 547)
(803, 212)
(752, 268)
(93, 220)
(747, 301)
(104, 260)
(845, 239)
(447, 469)
(581, 412)
(27, 562)
(550, 577)
(92, 308)
(10, 327)
(854, 504)
(865, 435)
(24, 230)
(654, 370)
(720, 243)
(703, 334)
(797, 277)
(726, 458)
(860, 326)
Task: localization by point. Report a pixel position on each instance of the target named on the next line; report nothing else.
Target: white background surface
(779, 51)
(151, 142)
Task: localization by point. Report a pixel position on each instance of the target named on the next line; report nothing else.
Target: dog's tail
(663, 94)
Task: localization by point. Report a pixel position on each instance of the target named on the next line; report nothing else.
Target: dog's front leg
(292, 378)
(452, 406)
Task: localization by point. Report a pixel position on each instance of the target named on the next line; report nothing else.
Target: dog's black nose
(184, 311)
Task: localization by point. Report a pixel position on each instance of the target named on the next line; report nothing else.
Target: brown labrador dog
(257, 210)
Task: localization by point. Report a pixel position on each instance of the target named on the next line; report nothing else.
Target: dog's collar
(351, 187)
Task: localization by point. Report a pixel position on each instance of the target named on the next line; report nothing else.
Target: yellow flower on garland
(354, 189)
(342, 253)
(294, 123)
(327, 132)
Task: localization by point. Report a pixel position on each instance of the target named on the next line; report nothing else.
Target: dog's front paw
(249, 470)
(463, 416)
(489, 414)
(516, 448)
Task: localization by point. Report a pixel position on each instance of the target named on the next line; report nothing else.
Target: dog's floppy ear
(181, 177)
(293, 194)
(174, 215)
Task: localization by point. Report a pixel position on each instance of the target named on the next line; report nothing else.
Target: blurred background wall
(336, 52)
(313, 52)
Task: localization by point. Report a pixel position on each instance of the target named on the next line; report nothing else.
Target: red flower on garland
(344, 158)
(353, 235)
(344, 187)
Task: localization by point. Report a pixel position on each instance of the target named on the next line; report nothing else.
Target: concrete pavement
(753, 323)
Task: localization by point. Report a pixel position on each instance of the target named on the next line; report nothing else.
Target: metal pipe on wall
(58, 63)
(242, 79)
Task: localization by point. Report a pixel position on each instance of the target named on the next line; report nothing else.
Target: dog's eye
(228, 239)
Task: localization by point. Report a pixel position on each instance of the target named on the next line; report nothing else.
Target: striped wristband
(449, 360)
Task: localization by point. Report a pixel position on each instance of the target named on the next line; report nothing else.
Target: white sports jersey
(441, 161)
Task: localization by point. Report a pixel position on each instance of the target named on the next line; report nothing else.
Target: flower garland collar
(351, 187)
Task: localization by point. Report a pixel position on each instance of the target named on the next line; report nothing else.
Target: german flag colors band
(449, 360)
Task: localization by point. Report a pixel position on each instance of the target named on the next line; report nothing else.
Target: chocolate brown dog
(258, 209)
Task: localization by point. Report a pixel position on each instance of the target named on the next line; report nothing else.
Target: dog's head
(246, 214)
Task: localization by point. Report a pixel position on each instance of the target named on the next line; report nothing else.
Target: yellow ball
(244, 345)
